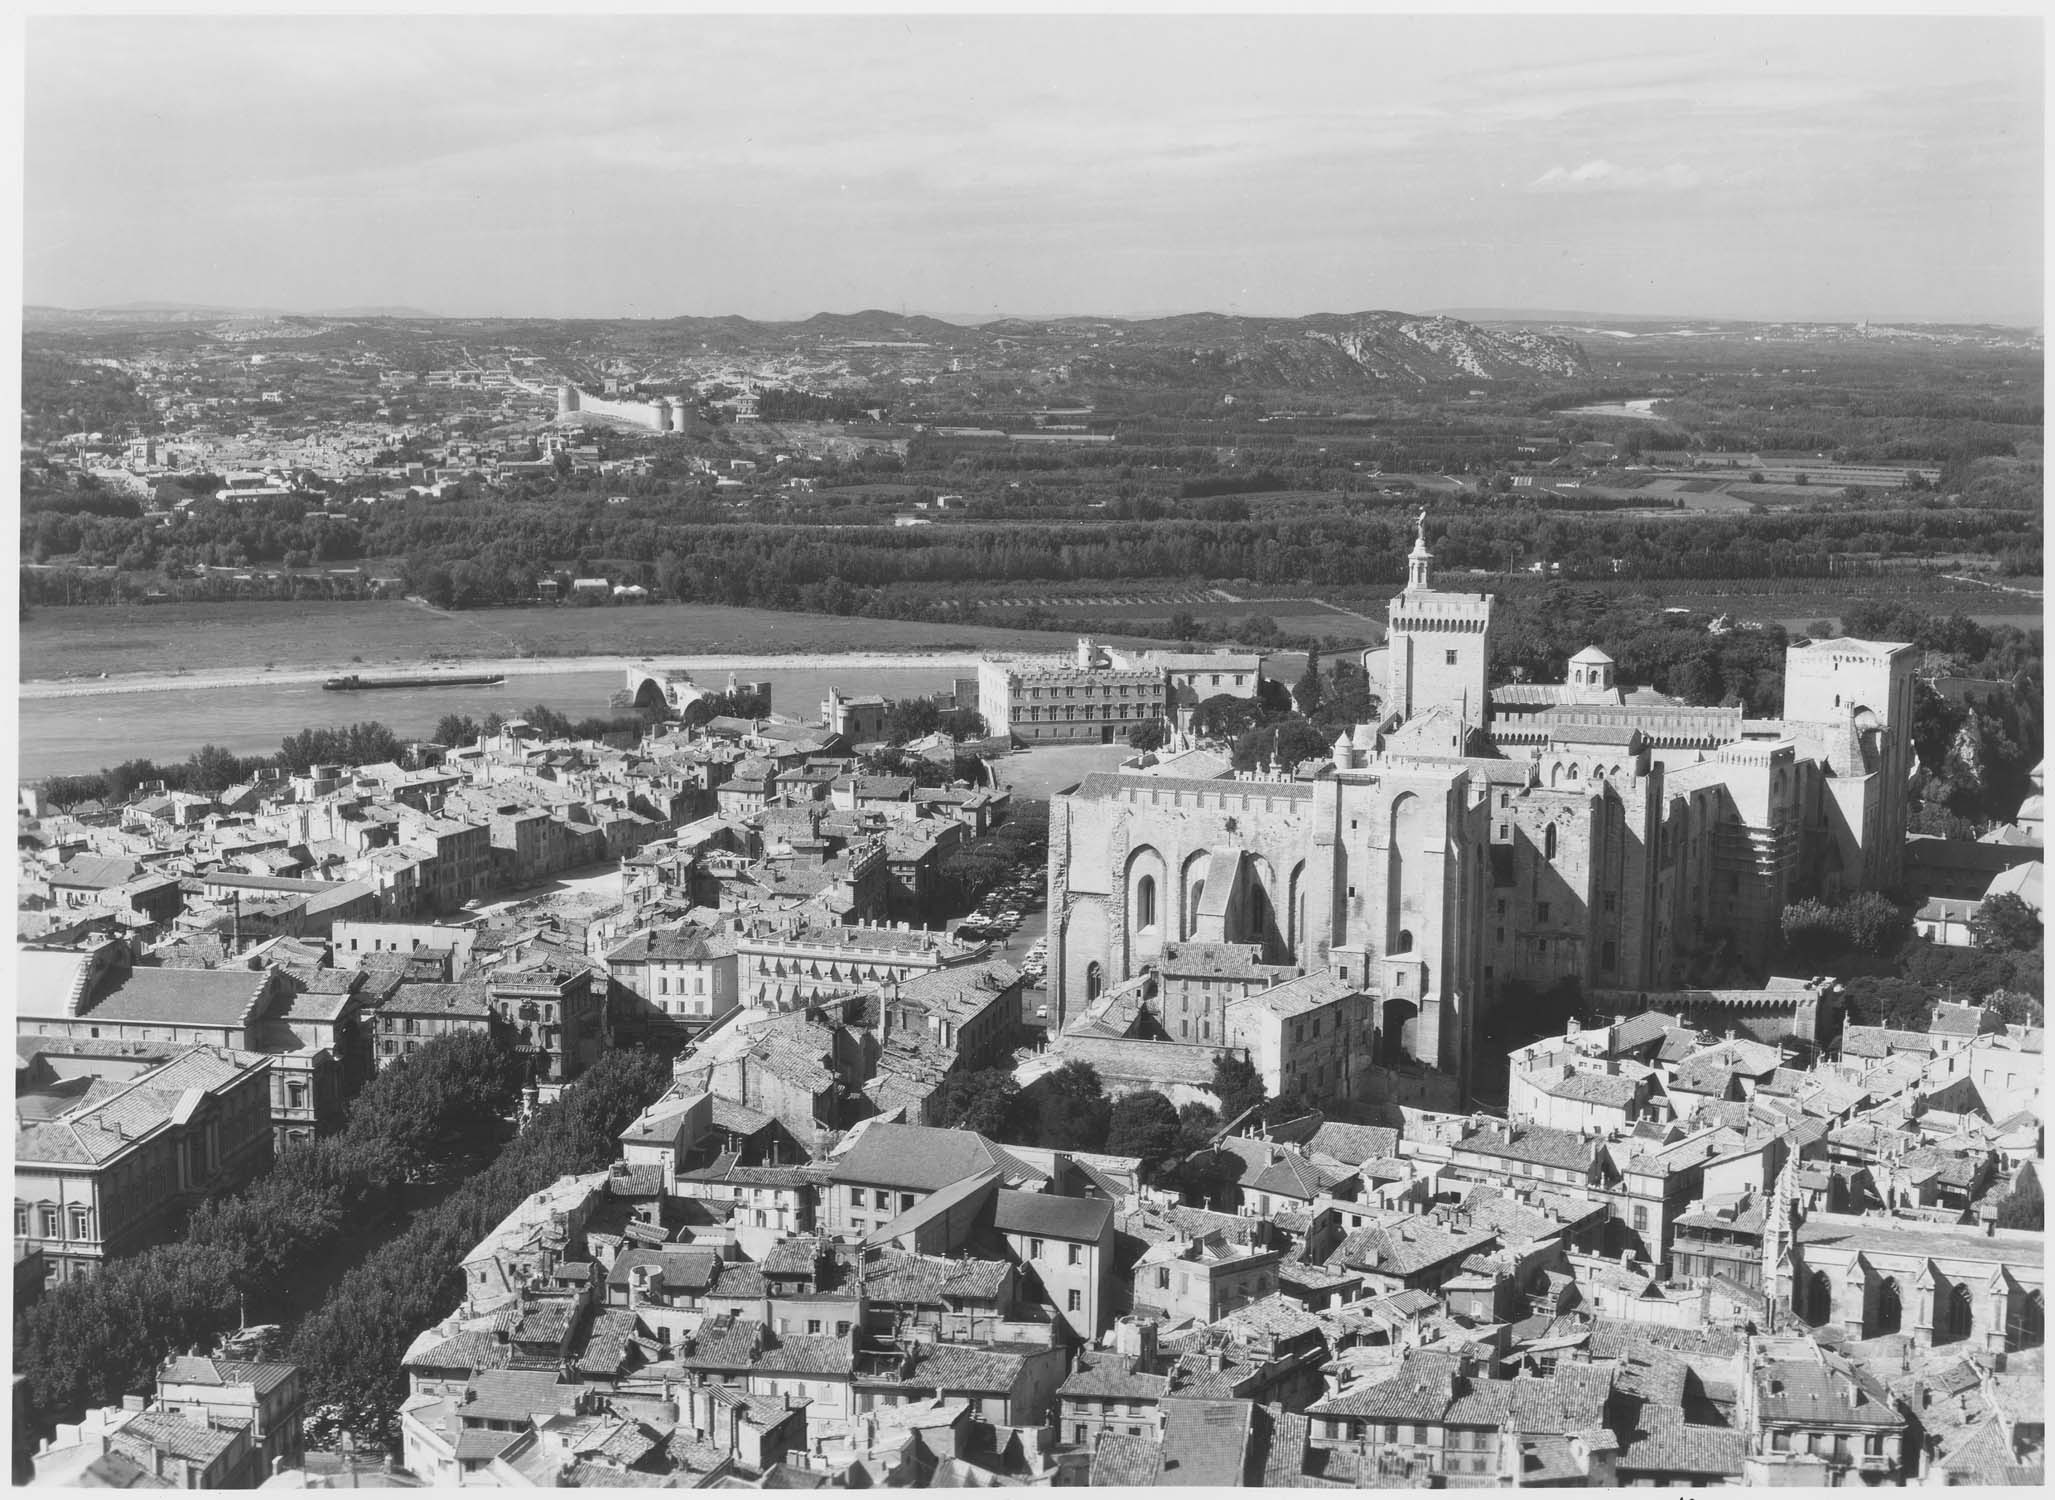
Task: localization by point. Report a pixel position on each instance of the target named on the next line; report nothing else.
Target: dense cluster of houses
(1720, 1238)
(1735, 1263)
(271, 945)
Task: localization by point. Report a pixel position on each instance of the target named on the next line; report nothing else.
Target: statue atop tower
(1419, 560)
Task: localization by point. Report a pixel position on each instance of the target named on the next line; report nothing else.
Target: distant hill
(374, 312)
(1318, 351)
(1329, 350)
(1552, 315)
(141, 312)
(1338, 351)
(198, 312)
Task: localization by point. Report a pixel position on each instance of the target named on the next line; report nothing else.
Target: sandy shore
(529, 666)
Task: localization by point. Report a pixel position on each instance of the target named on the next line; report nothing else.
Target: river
(1642, 410)
(89, 733)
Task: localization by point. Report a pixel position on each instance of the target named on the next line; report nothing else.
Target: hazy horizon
(1727, 168)
(144, 306)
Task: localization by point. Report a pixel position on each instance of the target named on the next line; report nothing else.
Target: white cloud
(1601, 176)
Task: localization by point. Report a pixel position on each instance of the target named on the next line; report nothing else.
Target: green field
(85, 642)
(1293, 616)
(1797, 602)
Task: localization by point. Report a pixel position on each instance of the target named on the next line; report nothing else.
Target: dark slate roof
(981, 1280)
(1354, 1144)
(738, 1278)
(668, 947)
(117, 1471)
(464, 999)
(1290, 1175)
(1793, 1390)
(170, 1432)
(807, 1354)
(483, 1444)
(1607, 1089)
(1112, 1375)
(799, 1256)
(607, 1345)
(966, 1368)
(1046, 1214)
(1429, 1387)
(723, 1344)
(1882, 1041)
(194, 997)
(914, 1158)
(471, 1351)
(100, 872)
(1533, 1143)
(1120, 1459)
(1405, 1248)
(518, 1395)
(644, 1180)
(193, 1370)
(893, 1276)
(1642, 1030)
(687, 1270)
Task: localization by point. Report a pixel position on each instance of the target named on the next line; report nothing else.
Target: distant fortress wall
(664, 415)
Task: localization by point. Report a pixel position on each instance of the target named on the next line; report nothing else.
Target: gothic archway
(1819, 1299)
(1955, 1315)
(1394, 1036)
(2028, 1324)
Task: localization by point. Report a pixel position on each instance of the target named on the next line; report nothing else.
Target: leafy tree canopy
(2006, 924)
(1143, 1124)
(1237, 1085)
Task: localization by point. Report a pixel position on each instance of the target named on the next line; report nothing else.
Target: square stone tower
(1439, 645)
(1848, 704)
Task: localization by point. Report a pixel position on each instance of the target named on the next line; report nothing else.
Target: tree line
(1068, 1109)
(91, 1341)
(350, 1347)
(485, 551)
(211, 769)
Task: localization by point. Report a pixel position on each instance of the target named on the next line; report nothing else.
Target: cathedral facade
(1475, 837)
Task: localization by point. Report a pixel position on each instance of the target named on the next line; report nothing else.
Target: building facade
(1090, 697)
(118, 1171)
(1479, 839)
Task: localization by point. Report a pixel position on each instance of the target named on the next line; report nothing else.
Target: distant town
(211, 456)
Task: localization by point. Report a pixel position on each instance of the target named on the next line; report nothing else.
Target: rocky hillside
(1330, 350)
(1326, 351)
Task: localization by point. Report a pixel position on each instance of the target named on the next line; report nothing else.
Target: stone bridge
(667, 689)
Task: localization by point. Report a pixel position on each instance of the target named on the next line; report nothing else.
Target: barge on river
(356, 684)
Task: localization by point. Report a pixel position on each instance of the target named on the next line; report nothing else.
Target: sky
(1758, 167)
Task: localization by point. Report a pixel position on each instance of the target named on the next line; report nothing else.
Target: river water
(1641, 410)
(88, 733)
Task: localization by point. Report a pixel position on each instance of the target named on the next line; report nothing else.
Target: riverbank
(260, 642)
(554, 666)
